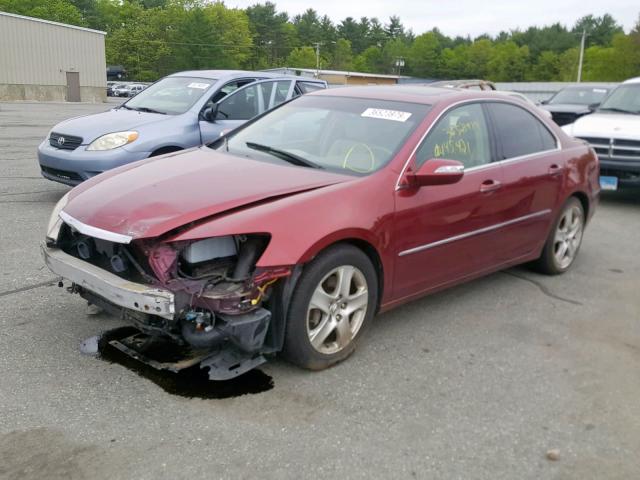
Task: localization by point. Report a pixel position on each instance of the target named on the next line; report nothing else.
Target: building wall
(36, 55)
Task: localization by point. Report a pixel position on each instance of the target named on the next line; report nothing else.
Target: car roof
(632, 80)
(231, 74)
(405, 93)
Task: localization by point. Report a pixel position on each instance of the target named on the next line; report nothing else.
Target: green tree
(600, 30)
(308, 26)
(55, 10)
(273, 35)
(302, 57)
(342, 55)
(546, 68)
(479, 54)
(508, 62)
(424, 59)
(394, 29)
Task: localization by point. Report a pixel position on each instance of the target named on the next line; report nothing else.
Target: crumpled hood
(151, 197)
(90, 127)
(607, 125)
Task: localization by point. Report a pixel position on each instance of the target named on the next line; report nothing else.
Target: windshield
(347, 135)
(579, 96)
(172, 95)
(625, 98)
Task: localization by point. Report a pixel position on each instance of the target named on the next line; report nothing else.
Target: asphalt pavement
(478, 382)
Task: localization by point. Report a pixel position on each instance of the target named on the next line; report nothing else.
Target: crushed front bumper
(121, 292)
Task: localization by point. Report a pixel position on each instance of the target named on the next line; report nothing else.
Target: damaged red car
(288, 234)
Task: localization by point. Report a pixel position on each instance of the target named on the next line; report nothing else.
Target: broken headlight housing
(53, 227)
(232, 257)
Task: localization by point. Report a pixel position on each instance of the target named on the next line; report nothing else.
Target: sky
(464, 17)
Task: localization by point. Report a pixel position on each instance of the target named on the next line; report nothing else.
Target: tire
(339, 317)
(563, 243)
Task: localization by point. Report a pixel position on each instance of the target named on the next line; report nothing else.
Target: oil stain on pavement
(191, 382)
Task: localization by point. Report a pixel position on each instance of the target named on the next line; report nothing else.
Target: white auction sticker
(201, 86)
(383, 114)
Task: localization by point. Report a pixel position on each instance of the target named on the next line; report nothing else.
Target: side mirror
(594, 106)
(544, 102)
(209, 114)
(437, 171)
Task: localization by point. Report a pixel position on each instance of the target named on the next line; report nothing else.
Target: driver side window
(462, 135)
(242, 105)
(227, 89)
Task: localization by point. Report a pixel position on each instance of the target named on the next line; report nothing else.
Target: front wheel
(564, 241)
(332, 305)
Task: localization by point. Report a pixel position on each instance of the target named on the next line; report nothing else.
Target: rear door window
(518, 132)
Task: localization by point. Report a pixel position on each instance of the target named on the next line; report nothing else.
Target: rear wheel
(332, 305)
(564, 241)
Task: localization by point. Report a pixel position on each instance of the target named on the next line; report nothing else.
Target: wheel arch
(584, 200)
(361, 243)
(166, 149)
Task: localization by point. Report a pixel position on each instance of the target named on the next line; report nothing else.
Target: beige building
(50, 61)
(340, 77)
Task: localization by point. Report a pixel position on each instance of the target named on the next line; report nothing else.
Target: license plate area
(608, 183)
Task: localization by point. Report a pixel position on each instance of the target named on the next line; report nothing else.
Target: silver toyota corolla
(180, 111)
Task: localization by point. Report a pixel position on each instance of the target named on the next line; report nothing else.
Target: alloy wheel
(337, 309)
(568, 236)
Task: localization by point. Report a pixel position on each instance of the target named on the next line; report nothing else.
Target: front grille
(62, 174)
(64, 142)
(615, 148)
(563, 118)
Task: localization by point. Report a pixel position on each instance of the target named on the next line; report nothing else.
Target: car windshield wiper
(147, 110)
(620, 110)
(283, 154)
(124, 106)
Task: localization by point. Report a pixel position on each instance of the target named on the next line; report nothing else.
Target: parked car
(177, 112)
(575, 101)
(465, 84)
(289, 233)
(525, 99)
(111, 89)
(614, 133)
(129, 90)
(110, 86)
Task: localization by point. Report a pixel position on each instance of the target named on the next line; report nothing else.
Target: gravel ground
(476, 382)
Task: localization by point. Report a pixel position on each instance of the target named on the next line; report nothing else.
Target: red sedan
(291, 232)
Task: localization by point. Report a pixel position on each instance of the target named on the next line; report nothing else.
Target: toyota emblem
(61, 141)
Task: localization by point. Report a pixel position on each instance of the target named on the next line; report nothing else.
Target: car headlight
(53, 228)
(112, 140)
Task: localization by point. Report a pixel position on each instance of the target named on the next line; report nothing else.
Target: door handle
(555, 169)
(490, 186)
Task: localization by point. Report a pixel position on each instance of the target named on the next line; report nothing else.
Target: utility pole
(317, 45)
(584, 36)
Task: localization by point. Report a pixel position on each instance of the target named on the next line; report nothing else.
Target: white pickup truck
(614, 133)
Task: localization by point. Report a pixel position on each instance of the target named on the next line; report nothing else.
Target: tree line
(152, 38)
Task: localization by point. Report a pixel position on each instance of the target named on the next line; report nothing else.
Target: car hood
(151, 197)
(566, 108)
(90, 127)
(607, 125)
